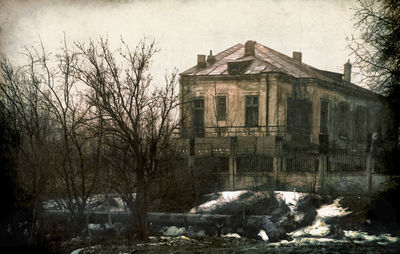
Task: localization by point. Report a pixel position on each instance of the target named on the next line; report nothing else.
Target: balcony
(232, 131)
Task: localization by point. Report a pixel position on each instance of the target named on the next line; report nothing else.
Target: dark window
(361, 124)
(343, 119)
(198, 103)
(299, 119)
(323, 127)
(198, 117)
(221, 108)
(235, 68)
(251, 111)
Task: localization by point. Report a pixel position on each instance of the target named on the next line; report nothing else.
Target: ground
(224, 245)
(311, 224)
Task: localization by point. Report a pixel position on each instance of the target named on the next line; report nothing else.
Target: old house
(250, 89)
(252, 92)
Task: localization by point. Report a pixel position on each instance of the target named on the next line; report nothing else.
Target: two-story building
(252, 90)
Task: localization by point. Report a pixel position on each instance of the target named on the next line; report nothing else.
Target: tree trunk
(140, 212)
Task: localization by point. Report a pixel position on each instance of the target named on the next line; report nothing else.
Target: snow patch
(223, 198)
(319, 227)
(174, 231)
(289, 197)
(332, 210)
(77, 251)
(365, 237)
(263, 235)
(231, 235)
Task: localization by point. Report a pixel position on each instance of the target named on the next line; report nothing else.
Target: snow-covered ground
(224, 198)
(321, 230)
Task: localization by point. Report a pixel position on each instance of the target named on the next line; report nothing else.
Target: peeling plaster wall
(280, 89)
(235, 91)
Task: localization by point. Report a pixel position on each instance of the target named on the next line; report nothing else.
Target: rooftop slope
(266, 60)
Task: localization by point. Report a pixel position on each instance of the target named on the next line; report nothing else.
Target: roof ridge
(220, 53)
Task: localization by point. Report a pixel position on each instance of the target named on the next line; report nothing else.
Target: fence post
(370, 164)
(323, 164)
(191, 152)
(232, 163)
(369, 174)
(276, 165)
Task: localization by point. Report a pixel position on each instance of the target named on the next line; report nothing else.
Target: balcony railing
(232, 131)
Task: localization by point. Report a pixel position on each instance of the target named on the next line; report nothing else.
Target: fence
(249, 162)
(347, 162)
(385, 162)
(256, 154)
(300, 162)
(255, 163)
(217, 164)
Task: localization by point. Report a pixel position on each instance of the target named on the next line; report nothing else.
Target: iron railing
(231, 131)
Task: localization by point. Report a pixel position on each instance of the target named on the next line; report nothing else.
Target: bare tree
(77, 178)
(377, 48)
(27, 112)
(141, 115)
(54, 118)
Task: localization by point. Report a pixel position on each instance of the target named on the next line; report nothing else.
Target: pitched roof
(265, 60)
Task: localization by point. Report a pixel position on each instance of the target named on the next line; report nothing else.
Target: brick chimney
(201, 61)
(297, 56)
(211, 58)
(347, 71)
(249, 48)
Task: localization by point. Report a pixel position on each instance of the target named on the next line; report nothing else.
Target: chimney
(347, 71)
(249, 48)
(297, 56)
(211, 58)
(201, 61)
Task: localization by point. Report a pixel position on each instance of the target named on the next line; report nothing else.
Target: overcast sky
(183, 29)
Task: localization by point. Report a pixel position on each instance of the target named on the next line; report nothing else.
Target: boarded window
(251, 111)
(299, 119)
(323, 126)
(221, 108)
(344, 120)
(361, 124)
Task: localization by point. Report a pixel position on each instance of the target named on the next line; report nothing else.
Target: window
(198, 103)
(343, 119)
(299, 119)
(360, 124)
(251, 111)
(323, 126)
(221, 108)
(198, 117)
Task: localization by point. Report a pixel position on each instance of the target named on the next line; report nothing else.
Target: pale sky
(183, 29)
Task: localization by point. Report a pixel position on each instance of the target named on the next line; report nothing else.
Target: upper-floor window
(251, 110)
(299, 119)
(344, 119)
(221, 108)
(323, 126)
(198, 117)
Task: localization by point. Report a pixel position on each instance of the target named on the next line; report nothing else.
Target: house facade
(252, 90)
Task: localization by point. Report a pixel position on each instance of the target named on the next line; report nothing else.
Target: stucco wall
(235, 91)
(279, 87)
